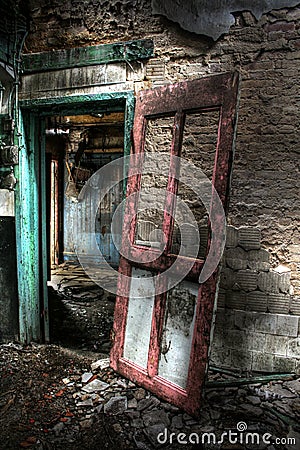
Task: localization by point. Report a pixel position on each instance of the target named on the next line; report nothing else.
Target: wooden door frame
(216, 92)
(30, 194)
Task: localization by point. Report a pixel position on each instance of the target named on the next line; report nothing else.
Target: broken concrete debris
(116, 405)
(77, 399)
(100, 364)
(95, 386)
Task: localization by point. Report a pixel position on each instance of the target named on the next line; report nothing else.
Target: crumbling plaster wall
(264, 200)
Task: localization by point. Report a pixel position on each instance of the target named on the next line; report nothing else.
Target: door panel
(177, 333)
(139, 317)
(183, 139)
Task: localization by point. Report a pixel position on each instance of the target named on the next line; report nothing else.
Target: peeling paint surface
(175, 357)
(87, 56)
(213, 17)
(27, 196)
(73, 80)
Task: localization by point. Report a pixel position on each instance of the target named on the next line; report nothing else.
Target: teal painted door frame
(30, 206)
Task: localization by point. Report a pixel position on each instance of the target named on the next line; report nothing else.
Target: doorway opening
(76, 146)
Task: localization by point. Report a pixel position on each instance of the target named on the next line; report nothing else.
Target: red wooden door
(173, 235)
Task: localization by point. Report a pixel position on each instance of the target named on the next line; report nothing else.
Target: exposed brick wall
(71, 23)
(265, 183)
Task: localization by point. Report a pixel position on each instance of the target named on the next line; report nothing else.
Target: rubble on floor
(55, 398)
(81, 312)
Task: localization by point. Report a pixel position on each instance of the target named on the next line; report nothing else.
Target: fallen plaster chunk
(86, 377)
(86, 402)
(94, 386)
(282, 269)
(100, 364)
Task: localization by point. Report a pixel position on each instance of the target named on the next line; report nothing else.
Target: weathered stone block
(284, 282)
(262, 362)
(135, 72)
(232, 237)
(297, 366)
(244, 320)
(236, 258)
(7, 204)
(247, 280)
(278, 303)
(256, 301)
(294, 348)
(249, 238)
(259, 260)
(280, 26)
(221, 299)
(241, 359)
(228, 278)
(225, 318)
(287, 326)
(268, 282)
(255, 341)
(218, 337)
(265, 323)
(295, 307)
(276, 344)
(284, 364)
(235, 300)
(235, 339)
(220, 357)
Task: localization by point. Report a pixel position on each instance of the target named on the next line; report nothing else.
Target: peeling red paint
(216, 92)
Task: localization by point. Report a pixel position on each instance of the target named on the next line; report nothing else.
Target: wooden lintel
(87, 56)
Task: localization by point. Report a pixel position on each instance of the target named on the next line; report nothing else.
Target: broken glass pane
(154, 180)
(139, 317)
(178, 333)
(199, 145)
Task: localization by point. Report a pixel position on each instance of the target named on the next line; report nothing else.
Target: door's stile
(157, 327)
(201, 341)
(120, 315)
(130, 219)
(125, 268)
(224, 150)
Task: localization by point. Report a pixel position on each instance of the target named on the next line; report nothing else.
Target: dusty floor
(80, 311)
(52, 398)
(65, 396)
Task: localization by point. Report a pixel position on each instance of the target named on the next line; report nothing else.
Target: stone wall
(257, 323)
(260, 284)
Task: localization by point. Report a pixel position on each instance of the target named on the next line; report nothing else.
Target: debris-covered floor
(81, 312)
(65, 396)
(56, 398)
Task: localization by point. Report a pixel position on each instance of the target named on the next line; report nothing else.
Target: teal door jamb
(43, 231)
(30, 231)
(27, 232)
